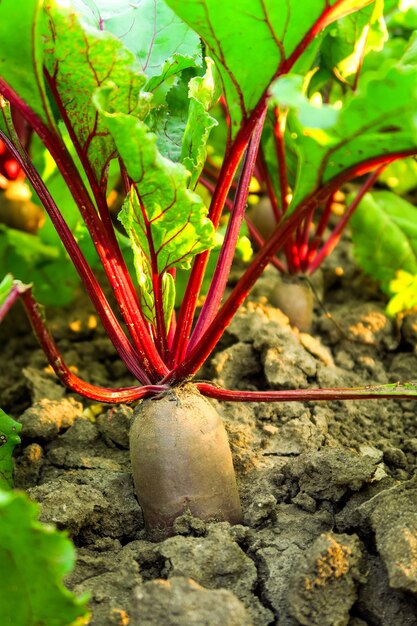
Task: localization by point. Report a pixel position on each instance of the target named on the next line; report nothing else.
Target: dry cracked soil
(329, 489)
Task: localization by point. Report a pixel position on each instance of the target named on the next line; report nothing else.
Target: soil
(328, 489)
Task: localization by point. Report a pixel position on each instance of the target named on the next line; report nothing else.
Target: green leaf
(82, 56)
(162, 43)
(289, 91)
(203, 92)
(166, 222)
(266, 32)
(31, 260)
(21, 56)
(384, 232)
(34, 558)
(169, 120)
(405, 17)
(352, 38)
(182, 123)
(378, 119)
(9, 439)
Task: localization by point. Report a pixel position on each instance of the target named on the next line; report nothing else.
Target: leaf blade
(271, 33)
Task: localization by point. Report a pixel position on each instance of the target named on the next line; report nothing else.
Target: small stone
(181, 601)
(380, 474)
(315, 347)
(187, 524)
(305, 502)
(114, 425)
(270, 429)
(260, 510)
(67, 505)
(28, 466)
(411, 445)
(395, 457)
(371, 452)
(46, 418)
(393, 516)
(329, 473)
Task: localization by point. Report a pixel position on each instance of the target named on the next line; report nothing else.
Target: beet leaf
(271, 35)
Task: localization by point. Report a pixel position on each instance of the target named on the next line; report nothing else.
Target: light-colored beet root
(295, 298)
(17, 210)
(181, 462)
(262, 217)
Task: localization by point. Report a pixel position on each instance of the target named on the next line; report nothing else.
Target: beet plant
(305, 111)
(126, 91)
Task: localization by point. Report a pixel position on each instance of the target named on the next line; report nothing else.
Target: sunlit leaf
(378, 119)
(265, 32)
(404, 288)
(89, 58)
(390, 223)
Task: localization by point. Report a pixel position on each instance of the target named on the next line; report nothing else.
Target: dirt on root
(329, 489)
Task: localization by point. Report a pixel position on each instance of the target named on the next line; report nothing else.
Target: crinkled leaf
(80, 60)
(289, 91)
(168, 121)
(244, 252)
(183, 122)
(384, 231)
(405, 16)
(203, 93)
(9, 439)
(167, 223)
(34, 558)
(378, 119)
(249, 40)
(404, 288)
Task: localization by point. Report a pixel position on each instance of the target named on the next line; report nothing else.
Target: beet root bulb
(181, 462)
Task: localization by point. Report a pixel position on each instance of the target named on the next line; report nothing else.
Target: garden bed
(328, 488)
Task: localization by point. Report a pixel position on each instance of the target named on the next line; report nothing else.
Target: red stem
(227, 173)
(205, 346)
(371, 392)
(14, 294)
(263, 169)
(112, 327)
(304, 239)
(68, 378)
(259, 241)
(117, 275)
(109, 250)
(333, 239)
(322, 225)
(279, 126)
(227, 252)
(160, 330)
